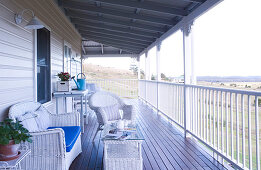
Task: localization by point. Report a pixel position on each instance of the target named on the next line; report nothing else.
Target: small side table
(15, 164)
(74, 93)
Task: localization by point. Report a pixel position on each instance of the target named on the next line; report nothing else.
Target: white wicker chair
(99, 100)
(48, 149)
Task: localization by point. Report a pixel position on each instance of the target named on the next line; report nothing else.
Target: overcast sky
(227, 41)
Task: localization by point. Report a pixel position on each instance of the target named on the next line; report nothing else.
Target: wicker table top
(128, 133)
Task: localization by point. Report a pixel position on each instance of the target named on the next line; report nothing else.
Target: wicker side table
(122, 154)
(14, 164)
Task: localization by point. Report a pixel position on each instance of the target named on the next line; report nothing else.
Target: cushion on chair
(43, 118)
(112, 112)
(28, 121)
(71, 134)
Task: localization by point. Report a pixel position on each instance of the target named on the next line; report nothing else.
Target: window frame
(35, 69)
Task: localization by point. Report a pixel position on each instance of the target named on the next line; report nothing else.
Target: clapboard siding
(15, 84)
(8, 60)
(17, 49)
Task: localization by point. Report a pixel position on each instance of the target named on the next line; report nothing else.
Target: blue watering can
(80, 82)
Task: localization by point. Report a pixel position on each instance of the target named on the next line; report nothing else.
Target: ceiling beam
(83, 6)
(111, 44)
(101, 19)
(196, 1)
(146, 5)
(117, 34)
(121, 41)
(115, 28)
(117, 45)
(106, 52)
(111, 55)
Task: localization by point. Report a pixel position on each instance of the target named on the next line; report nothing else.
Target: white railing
(126, 88)
(225, 120)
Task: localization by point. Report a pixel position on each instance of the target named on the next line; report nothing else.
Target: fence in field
(126, 88)
(225, 120)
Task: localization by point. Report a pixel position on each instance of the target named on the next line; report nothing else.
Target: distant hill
(229, 78)
(99, 72)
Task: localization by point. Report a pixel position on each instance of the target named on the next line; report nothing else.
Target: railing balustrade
(126, 88)
(226, 120)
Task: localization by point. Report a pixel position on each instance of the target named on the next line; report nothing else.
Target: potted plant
(11, 135)
(64, 84)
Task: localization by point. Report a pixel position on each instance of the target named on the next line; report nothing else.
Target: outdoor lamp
(34, 23)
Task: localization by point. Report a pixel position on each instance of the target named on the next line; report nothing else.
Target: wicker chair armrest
(49, 143)
(68, 119)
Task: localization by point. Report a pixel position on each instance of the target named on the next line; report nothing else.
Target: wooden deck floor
(164, 147)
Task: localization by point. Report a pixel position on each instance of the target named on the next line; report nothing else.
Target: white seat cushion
(29, 122)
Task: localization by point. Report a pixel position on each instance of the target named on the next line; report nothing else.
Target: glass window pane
(43, 66)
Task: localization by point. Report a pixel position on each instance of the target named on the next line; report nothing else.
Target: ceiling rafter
(109, 38)
(83, 6)
(120, 35)
(115, 28)
(146, 5)
(101, 19)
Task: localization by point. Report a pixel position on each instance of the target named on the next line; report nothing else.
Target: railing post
(189, 77)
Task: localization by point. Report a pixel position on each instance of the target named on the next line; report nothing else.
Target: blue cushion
(71, 134)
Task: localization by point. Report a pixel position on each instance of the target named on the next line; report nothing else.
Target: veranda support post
(158, 71)
(138, 60)
(146, 73)
(189, 76)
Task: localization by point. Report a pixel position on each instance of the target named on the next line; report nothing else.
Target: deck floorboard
(164, 146)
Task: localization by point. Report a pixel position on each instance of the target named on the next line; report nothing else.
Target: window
(67, 59)
(43, 66)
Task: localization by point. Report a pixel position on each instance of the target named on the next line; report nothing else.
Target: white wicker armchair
(48, 149)
(102, 99)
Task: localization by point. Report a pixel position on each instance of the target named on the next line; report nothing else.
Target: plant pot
(9, 151)
(63, 86)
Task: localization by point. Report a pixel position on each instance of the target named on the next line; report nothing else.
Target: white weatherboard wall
(17, 49)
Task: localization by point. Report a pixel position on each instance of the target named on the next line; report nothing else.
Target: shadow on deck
(164, 147)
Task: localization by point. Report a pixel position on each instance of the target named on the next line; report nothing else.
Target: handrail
(249, 92)
(206, 113)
